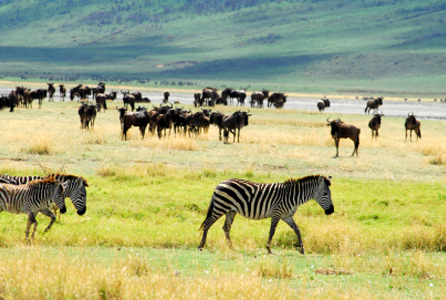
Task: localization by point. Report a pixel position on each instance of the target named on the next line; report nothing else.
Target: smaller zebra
(75, 190)
(32, 198)
(278, 201)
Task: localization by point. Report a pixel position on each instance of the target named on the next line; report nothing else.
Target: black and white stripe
(74, 189)
(31, 199)
(278, 201)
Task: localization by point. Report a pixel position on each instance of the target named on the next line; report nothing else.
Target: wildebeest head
(246, 116)
(377, 118)
(334, 126)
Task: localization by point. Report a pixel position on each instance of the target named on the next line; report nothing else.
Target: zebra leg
(31, 220)
(211, 217)
(274, 221)
(230, 216)
(292, 224)
(47, 212)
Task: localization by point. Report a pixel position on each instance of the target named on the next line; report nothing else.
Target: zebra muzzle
(330, 210)
(82, 211)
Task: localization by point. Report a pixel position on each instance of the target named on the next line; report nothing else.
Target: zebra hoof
(302, 251)
(200, 248)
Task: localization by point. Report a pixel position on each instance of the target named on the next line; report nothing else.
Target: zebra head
(76, 191)
(322, 194)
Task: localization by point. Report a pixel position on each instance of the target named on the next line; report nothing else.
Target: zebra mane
(68, 177)
(50, 179)
(308, 178)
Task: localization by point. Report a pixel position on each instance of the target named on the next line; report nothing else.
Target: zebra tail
(209, 214)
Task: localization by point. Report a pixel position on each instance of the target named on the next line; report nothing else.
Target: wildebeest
(80, 91)
(216, 118)
(4, 102)
(207, 94)
(233, 94)
(259, 97)
(232, 123)
(323, 103)
(24, 95)
(87, 115)
(181, 120)
(101, 100)
(275, 97)
(51, 90)
(242, 97)
(111, 95)
(99, 89)
(139, 118)
(375, 124)
(39, 94)
(412, 124)
(197, 97)
(373, 104)
(198, 121)
(13, 98)
(62, 91)
(166, 97)
(129, 99)
(122, 111)
(225, 94)
(165, 121)
(341, 130)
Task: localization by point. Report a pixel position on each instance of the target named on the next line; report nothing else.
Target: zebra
(32, 198)
(278, 201)
(75, 190)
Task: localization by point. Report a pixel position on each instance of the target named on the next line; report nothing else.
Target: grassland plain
(147, 199)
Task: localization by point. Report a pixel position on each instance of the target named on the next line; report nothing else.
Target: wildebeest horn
(328, 119)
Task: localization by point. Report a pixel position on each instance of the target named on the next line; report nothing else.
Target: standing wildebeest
(233, 94)
(197, 97)
(232, 123)
(165, 121)
(111, 95)
(225, 94)
(208, 93)
(340, 130)
(373, 104)
(256, 201)
(101, 100)
(138, 118)
(39, 94)
(375, 124)
(275, 97)
(99, 89)
(62, 91)
(87, 115)
(129, 99)
(24, 94)
(242, 97)
(412, 124)
(181, 120)
(323, 103)
(216, 118)
(166, 97)
(13, 98)
(4, 102)
(259, 97)
(51, 90)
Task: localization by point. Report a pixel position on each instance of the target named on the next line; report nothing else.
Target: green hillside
(390, 46)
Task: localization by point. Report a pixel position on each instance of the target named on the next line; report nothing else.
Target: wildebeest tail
(209, 214)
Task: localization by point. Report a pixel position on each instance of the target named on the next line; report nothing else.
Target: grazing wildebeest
(87, 115)
(138, 118)
(323, 103)
(340, 130)
(39, 94)
(373, 104)
(51, 90)
(101, 100)
(232, 123)
(412, 124)
(111, 96)
(62, 91)
(197, 97)
(99, 89)
(166, 97)
(278, 201)
(80, 91)
(375, 124)
(274, 97)
(259, 97)
(216, 118)
(4, 102)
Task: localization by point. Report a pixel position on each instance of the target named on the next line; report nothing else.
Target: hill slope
(395, 46)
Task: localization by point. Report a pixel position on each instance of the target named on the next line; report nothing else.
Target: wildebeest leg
(292, 224)
(50, 214)
(219, 133)
(143, 130)
(406, 136)
(337, 147)
(356, 146)
(226, 135)
(274, 221)
(238, 135)
(230, 216)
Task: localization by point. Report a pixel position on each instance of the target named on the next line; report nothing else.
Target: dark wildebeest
(99, 89)
(373, 104)
(181, 120)
(232, 123)
(216, 118)
(197, 97)
(198, 121)
(166, 97)
(137, 95)
(87, 115)
(51, 90)
(375, 124)
(111, 96)
(154, 113)
(323, 103)
(39, 94)
(24, 94)
(242, 97)
(129, 99)
(274, 97)
(139, 118)
(165, 121)
(412, 124)
(13, 100)
(340, 130)
(122, 111)
(234, 94)
(101, 100)
(4, 102)
(207, 94)
(225, 94)
(62, 91)
(259, 97)
(279, 104)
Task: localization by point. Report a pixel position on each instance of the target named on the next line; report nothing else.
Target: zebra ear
(330, 178)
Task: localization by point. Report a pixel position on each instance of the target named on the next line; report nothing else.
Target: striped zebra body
(278, 201)
(74, 189)
(31, 199)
